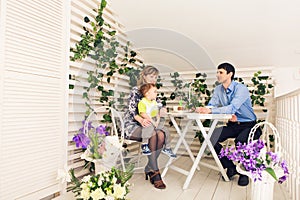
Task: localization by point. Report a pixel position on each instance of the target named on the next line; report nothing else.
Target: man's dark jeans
(238, 130)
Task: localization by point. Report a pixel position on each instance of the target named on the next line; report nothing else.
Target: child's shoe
(145, 149)
(169, 152)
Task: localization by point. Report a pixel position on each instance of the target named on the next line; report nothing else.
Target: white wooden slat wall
(34, 40)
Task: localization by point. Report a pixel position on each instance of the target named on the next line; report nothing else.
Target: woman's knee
(136, 134)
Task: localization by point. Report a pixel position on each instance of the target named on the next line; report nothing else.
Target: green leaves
(86, 20)
(261, 88)
(99, 42)
(271, 172)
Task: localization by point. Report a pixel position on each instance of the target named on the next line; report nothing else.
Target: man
(231, 97)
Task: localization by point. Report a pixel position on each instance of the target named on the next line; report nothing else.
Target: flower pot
(113, 149)
(102, 166)
(262, 190)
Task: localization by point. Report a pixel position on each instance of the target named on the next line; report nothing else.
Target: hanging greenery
(192, 94)
(99, 42)
(261, 88)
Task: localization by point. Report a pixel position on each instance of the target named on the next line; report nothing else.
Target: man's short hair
(228, 68)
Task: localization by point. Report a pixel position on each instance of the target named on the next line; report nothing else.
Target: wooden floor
(206, 184)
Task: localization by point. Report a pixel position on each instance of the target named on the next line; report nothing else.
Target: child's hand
(163, 112)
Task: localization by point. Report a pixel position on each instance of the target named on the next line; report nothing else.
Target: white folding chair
(118, 126)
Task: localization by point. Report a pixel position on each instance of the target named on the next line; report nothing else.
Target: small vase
(102, 166)
(113, 149)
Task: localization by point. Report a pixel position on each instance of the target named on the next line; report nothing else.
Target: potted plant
(260, 162)
(112, 184)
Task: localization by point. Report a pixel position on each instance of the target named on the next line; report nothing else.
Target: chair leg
(122, 161)
(139, 156)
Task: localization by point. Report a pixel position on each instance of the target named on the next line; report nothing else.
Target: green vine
(99, 42)
(190, 93)
(261, 88)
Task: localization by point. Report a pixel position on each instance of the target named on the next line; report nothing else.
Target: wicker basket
(263, 190)
(113, 142)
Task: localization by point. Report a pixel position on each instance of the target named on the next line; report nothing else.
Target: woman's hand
(163, 112)
(145, 122)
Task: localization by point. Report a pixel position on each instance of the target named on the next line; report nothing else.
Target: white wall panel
(33, 97)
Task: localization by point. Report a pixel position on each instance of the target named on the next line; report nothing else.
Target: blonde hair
(146, 71)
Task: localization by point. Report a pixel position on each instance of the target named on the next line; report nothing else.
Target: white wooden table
(191, 117)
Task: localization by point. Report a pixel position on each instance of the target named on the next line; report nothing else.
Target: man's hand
(203, 110)
(233, 118)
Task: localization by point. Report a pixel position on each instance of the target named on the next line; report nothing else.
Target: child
(148, 109)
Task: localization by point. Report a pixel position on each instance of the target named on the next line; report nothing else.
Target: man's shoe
(230, 173)
(243, 180)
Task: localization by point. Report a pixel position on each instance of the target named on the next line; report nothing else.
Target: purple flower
(282, 179)
(81, 140)
(248, 155)
(274, 156)
(102, 130)
(284, 167)
(90, 126)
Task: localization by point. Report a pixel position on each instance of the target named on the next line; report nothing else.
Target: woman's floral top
(129, 122)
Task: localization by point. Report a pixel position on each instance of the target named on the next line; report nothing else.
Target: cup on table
(178, 108)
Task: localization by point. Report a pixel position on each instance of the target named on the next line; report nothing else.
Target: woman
(134, 122)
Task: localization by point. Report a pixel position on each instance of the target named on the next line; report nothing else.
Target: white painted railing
(288, 125)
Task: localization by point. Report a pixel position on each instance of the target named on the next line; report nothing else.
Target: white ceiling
(184, 35)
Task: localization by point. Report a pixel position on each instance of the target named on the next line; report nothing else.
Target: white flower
(109, 191)
(87, 156)
(119, 191)
(63, 174)
(85, 194)
(114, 180)
(109, 198)
(98, 194)
(100, 180)
(84, 186)
(86, 178)
(90, 184)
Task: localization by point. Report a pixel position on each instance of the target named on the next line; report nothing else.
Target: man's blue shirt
(235, 100)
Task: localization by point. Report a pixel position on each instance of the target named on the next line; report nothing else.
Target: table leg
(180, 140)
(195, 165)
(210, 146)
(201, 151)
